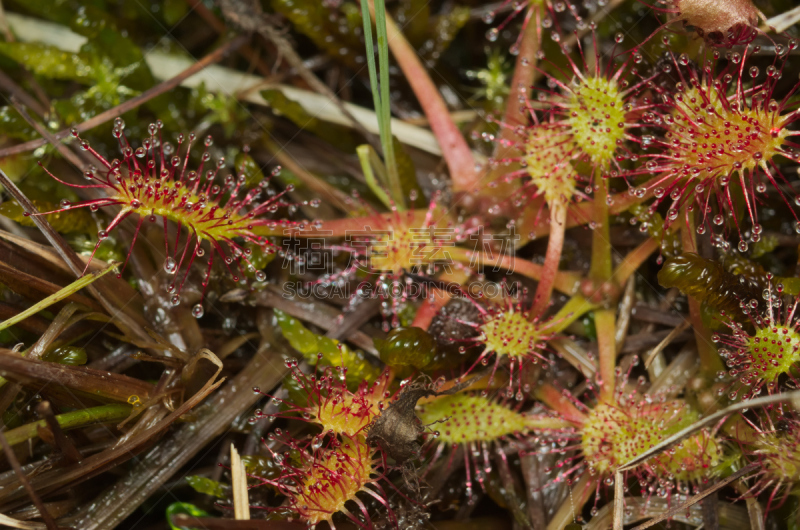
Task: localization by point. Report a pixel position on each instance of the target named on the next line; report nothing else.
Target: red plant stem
(456, 152)
(566, 282)
(600, 272)
(555, 400)
(710, 362)
(49, 522)
(605, 324)
(577, 215)
(515, 112)
(558, 218)
(575, 308)
(431, 306)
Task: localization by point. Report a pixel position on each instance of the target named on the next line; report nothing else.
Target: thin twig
(8, 84)
(783, 21)
(62, 442)
(666, 342)
(63, 150)
(12, 459)
(246, 51)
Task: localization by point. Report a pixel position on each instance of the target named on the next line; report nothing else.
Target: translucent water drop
(198, 311)
(170, 266)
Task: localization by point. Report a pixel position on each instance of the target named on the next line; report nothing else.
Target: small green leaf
(334, 353)
(261, 466)
(328, 29)
(300, 338)
(218, 108)
(407, 347)
(251, 170)
(88, 20)
(177, 508)
(445, 29)
(206, 486)
(414, 17)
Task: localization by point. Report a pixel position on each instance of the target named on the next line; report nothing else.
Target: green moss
(206, 486)
(334, 353)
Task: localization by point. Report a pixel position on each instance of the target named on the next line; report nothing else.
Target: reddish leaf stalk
(577, 214)
(558, 218)
(631, 263)
(515, 111)
(431, 306)
(566, 282)
(555, 400)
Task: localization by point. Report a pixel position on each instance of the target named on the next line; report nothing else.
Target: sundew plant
(399, 264)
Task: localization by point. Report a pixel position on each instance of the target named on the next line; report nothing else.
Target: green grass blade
(56, 297)
(380, 94)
